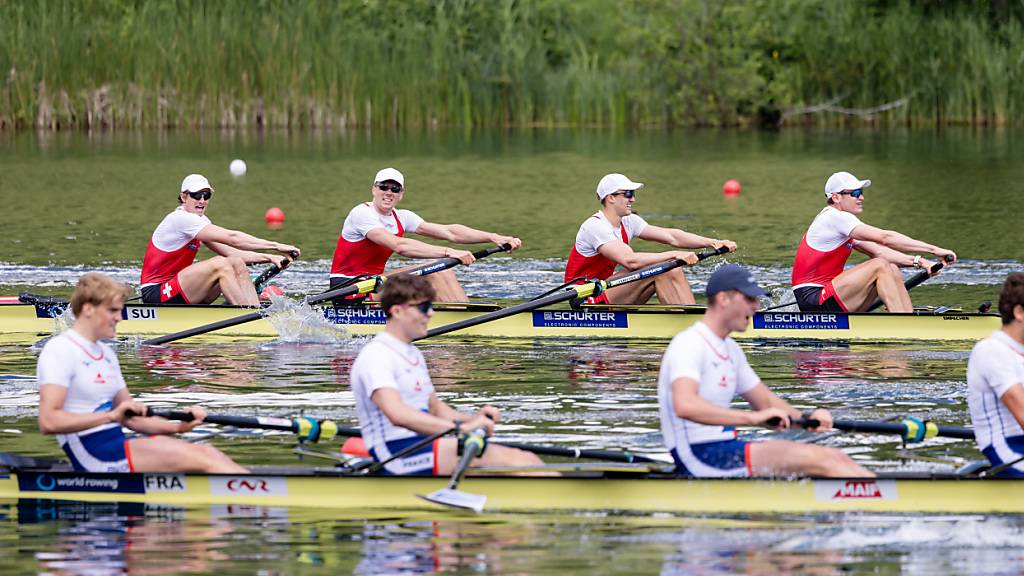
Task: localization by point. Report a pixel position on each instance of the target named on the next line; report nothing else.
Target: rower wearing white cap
(703, 369)
(602, 243)
(170, 274)
(995, 385)
(819, 281)
(374, 230)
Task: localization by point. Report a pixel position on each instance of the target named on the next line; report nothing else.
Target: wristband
(917, 261)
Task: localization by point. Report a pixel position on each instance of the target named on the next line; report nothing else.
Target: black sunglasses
(202, 194)
(424, 307)
(629, 194)
(854, 193)
(386, 187)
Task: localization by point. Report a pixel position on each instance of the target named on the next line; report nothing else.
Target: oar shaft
(912, 429)
(270, 272)
(608, 455)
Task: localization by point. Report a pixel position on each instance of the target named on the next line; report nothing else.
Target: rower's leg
(673, 288)
(858, 286)
(204, 281)
(167, 454)
(447, 286)
(780, 457)
(638, 292)
(494, 455)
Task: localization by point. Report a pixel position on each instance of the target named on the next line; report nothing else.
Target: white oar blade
(456, 499)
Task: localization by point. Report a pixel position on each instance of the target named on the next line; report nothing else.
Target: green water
(78, 202)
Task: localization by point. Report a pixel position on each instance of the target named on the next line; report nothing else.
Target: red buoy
(274, 217)
(269, 291)
(731, 188)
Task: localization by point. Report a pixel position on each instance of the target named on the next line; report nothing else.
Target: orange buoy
(731, 188)
(274, 217)
(355, 447)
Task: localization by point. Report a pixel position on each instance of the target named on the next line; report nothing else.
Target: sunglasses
(202, 194)
(385, 187)
(853, 193)
(629, 194)
(424, 307)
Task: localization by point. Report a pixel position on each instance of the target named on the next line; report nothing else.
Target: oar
(314, 430)
(362, 287)
(913, 281)
(577, 291)
(259, 281)
(473, 445)
(911, 429)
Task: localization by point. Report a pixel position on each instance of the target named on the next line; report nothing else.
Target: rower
(995, 384)
(395, 398)
(703, 369)
(169, 275)
(84, 401)
(374, 230)
(819, 282)
(602, 243)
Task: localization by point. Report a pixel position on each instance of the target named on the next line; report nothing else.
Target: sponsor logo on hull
(56, 310)
(248, 486)
(72, 482)
(801, 321)
(855, 490)
(579, 319)
(355, 315)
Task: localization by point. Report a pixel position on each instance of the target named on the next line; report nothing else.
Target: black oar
(910, 429)
(259, 281)
(362, 287)
(473, 445)
(577, 291)
(912, 282)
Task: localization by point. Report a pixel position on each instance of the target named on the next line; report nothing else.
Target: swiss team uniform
(92, 376)
(387, 362)
(722, 371)
(356, 256)
(823, 252)
(996, 365)
(586, 262)
(172, 248)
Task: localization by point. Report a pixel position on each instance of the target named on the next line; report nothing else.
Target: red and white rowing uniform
(821, 256)
(996, 365)
(722, 370)
(172, 248)
(92, 376)
(585, 261)
(387, 362)
(355, 254)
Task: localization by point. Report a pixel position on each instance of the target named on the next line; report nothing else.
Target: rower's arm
(248, 256)
(389, 400)
(683, 239)
(460, 234)
(897, 241)
(761, 398)
(687, 403)
(1013, 398)
(240, 240)
(53, 419)
(619, 252)
(412, 248)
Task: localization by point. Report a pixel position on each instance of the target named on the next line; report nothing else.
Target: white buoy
(237, 167)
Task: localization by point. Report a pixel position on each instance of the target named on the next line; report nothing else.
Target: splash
(299, 322)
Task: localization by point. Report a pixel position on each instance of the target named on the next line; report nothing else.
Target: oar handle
(473, 444)
(272, 271)
(910, 429)
(307, 429)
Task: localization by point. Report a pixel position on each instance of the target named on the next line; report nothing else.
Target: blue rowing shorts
(1016, 446)
(422, 462)
(727, 458)
(102, 451)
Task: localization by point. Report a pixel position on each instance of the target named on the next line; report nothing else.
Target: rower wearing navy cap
(819, 281)
(602, 243)
(703, 369)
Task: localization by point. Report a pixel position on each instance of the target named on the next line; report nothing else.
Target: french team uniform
(821, 256)
(996, 365)
(585, 261)
(722, 371)
(356, 256)
(92, 376)
(172, 248)
(387, 362)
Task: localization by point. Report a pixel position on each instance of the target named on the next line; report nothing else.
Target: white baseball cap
(195, 183)
(389, 174)
(842, 181)
(612, 183)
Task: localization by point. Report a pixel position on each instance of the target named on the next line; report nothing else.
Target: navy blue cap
(734, 277)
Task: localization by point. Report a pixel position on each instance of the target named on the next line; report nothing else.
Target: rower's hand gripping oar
(578, 291)
(362, 287)
(911, 430)
(260, 281)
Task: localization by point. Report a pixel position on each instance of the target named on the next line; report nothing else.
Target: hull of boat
(27, 323)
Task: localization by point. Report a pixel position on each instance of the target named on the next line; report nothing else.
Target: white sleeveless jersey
(387, 362)
(996, 365)
(90, 372)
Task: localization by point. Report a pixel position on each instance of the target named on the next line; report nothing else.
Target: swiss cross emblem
(167, 290)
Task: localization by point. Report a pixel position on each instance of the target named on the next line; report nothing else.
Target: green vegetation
(422, 63)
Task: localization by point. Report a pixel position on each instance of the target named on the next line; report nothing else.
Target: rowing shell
(23, 322)
(616, 488)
